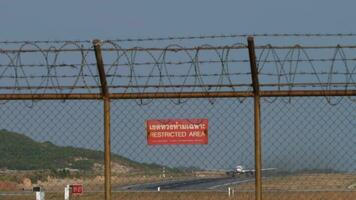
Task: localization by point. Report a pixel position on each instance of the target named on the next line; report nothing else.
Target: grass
(312, 181)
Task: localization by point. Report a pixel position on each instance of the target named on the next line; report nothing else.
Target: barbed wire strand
(286, 63)
(197, 37)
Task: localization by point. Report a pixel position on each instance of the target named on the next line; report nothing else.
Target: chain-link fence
(55, 129)
(50, 144)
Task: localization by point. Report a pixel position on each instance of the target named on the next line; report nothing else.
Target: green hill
(19, 152)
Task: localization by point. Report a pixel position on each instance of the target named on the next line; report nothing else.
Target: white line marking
(352, 186)
(231, 183)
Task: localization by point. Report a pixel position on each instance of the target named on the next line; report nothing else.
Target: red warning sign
(77, 189)
(177, 131)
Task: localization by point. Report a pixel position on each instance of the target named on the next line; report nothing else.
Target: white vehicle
(239, 169)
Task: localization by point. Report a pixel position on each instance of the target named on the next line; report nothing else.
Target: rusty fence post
(257, 118)
(106, 99)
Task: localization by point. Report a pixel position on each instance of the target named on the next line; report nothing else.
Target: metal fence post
(257, 118)
(106, 99)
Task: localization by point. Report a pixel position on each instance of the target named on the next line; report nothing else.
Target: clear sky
(86, 19)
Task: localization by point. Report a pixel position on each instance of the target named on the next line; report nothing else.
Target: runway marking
(231, 183)
(15, 194)
(158, 183)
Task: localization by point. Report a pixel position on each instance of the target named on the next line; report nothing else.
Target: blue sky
(86, 19)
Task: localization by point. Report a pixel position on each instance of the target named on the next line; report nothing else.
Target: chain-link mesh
(50, 144)
(178, 168)
(53, 119)
(311, 145)
(307, 143)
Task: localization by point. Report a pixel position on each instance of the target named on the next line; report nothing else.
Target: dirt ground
(293, 187)
(199, 196)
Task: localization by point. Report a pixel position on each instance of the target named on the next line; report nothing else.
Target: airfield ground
(307, 182)
(200, 195)
(293, 187)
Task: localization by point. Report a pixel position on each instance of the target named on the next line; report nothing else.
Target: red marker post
(77, 189)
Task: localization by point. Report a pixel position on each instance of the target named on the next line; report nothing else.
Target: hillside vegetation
(19, 152)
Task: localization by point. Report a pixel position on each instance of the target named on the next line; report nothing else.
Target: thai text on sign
(177, 131)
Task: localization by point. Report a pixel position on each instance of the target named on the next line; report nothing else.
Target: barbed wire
(179, 62)
(178, 76)
(197, 37)
(173, 49)
(71, 67)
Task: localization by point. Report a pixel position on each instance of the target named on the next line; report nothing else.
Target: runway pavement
(220, 183)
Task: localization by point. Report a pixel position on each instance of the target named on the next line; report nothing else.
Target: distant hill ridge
(19, 152)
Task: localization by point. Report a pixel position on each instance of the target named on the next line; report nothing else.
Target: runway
(220, 183)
